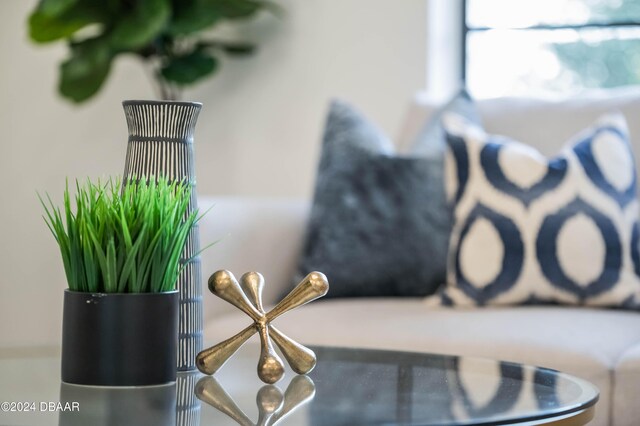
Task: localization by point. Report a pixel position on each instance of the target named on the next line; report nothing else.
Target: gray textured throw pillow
(379, 223)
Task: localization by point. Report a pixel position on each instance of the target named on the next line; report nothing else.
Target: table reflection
(162, 405)
(273, 406)
(347, 387)
(404, 388)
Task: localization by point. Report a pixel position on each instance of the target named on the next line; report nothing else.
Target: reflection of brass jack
(247, 296)
(272, 405)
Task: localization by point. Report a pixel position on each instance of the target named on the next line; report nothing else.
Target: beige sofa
(602, 346)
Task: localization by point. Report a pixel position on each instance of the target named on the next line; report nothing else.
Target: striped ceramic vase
(161, 144)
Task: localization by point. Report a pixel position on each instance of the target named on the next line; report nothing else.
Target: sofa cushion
(251, 234)
(430, 141)
(379, 223)
(528, 229)
(580, 341)
(542, 123)
(625, 410)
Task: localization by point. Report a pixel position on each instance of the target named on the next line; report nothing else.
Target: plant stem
(168, 91)
(161, 87)
(152, 74)
(165, 90)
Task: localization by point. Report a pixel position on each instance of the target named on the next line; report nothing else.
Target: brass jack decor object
(247, 296)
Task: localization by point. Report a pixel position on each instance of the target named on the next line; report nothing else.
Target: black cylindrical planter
(119, 339)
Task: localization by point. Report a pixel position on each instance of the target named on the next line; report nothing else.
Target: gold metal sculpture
(272, 405)
(247, 296)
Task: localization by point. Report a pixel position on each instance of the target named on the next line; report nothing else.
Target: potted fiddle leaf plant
(121, 248)
(171, 37)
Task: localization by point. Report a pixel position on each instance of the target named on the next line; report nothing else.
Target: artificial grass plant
(122, 239)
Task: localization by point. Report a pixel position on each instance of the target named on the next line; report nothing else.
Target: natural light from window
(506, 57)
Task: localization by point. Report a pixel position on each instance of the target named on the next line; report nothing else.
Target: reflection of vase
(108, 406)
(161, 144)
(188, 406)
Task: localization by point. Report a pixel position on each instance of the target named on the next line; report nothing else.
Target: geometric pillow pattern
(528, 229)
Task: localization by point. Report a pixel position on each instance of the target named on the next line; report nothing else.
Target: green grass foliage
(122, 239)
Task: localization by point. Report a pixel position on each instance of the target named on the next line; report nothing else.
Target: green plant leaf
(46, 27)
(190, 16)
(141, 25)
(55, 7)
(189, 68)
(129, 268)
(126, 241)
(232, 48)
(82, 75)
(235, 9)
(111, 276)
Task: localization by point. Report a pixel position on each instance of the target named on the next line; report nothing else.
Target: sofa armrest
(252, 234)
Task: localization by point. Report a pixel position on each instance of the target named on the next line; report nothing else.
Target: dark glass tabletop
(347, 387)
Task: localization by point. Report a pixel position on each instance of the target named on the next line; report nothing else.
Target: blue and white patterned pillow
(528, 229)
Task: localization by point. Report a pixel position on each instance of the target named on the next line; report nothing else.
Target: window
(542, 47)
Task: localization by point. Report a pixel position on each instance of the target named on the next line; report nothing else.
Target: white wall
(258, 134)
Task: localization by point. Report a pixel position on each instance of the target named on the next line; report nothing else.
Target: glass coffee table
(347, 387)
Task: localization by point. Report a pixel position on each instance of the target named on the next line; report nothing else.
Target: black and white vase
(161, 144)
